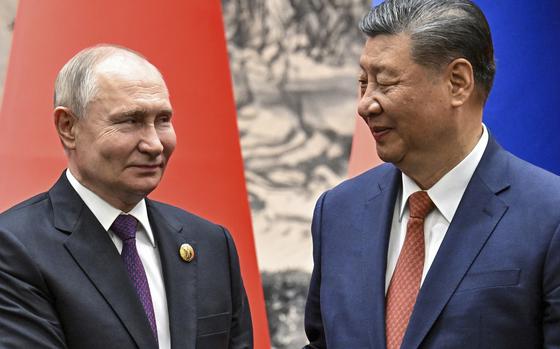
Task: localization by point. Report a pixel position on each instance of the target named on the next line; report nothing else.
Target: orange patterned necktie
(405, 282)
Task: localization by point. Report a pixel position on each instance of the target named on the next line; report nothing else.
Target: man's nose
(150, 142)
(369, 106)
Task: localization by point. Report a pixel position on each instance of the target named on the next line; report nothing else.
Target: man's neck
(124, 206)
(430, 171)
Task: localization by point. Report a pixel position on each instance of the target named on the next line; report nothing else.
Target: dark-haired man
(455, 243)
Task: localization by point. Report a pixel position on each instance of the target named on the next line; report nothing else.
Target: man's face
(124, 141)
(405, 105)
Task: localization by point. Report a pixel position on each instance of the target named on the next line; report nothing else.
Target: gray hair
(440, 32)
(76, 85)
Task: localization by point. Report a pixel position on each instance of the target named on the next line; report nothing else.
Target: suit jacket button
(186, 252)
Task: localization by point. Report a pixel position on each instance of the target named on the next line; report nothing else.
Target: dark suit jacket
(494, 283)
(63, 284)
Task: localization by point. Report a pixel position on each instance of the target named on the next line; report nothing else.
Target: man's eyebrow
(361, 65)
(141, 112)
(379, 68)
(166, 112)
(362, 74)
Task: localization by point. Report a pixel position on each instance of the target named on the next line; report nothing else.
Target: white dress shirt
(446, 195)
(145, 244)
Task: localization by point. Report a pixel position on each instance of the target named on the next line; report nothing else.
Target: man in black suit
(93, 263)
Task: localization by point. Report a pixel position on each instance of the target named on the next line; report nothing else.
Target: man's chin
(143, 187)
(386, 155)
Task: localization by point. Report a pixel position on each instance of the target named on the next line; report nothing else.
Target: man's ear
(461, 79)
(65, 123)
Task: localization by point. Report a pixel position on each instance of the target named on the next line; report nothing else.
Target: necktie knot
(125, 227)
(420, 205)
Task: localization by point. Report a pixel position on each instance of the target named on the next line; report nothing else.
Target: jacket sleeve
(551, 294)
(241, 334)
(28, 318)
(313, 317)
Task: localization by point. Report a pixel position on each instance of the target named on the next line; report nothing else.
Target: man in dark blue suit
(93, 263)
(454, 243)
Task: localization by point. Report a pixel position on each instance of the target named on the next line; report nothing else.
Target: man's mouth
(379, 132)
(147, 166)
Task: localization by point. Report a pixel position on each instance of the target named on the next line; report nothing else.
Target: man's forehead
(128, 82)
(126, 71)
(124, 63)
(385, 51)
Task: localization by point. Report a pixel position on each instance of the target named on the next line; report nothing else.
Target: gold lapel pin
(186, 252)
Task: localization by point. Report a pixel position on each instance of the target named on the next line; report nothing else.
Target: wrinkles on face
(107, 132)
(138, 91)
(127, 137)
(405, 105)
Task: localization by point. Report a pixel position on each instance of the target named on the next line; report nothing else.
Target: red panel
(186, 41)
(363, 155)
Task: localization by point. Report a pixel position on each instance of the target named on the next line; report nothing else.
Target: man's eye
(385, 83)
(163, 119)
(363, 86)
(127, 121)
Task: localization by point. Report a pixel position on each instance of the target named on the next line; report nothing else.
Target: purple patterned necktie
(125, 228)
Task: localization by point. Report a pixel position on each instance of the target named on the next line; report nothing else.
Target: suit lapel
(378, 213)
(478, 214)
(94, 252)
(179, 276)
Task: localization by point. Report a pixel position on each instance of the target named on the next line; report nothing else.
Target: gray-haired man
(93, 263)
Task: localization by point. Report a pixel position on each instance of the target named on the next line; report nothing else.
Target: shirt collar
(105, 213)
(448, 191)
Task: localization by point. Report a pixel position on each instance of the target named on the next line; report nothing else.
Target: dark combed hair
(440, 31)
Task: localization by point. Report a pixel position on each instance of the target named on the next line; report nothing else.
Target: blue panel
(522, 111)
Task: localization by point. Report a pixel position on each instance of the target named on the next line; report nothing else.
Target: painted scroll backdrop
(294, 67)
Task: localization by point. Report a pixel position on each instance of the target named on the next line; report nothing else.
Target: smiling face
(122, 145)
(407, 107)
